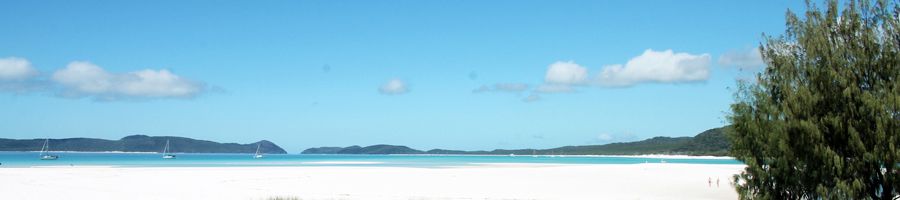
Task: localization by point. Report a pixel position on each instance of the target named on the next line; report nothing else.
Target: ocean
(32, 159)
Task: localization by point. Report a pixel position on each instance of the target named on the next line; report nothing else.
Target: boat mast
(45, 147)
(166, 149)
(257, 148)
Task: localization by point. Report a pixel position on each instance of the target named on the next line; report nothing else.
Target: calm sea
(32, 159)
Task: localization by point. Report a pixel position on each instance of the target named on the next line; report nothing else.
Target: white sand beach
(487, 181)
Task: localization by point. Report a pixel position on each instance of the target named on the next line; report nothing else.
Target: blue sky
(466, 75)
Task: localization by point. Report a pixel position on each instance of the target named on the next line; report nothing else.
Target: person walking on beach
(717, 181)
(709, 181)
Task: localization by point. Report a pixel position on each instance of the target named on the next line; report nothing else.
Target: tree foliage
(823, 119)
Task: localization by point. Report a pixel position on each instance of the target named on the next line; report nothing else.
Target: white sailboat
(45, 151)
(166, 154)
(257, 155)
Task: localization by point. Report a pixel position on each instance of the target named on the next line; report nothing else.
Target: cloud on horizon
(606, 138)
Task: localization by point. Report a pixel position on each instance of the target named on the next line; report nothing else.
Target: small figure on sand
(717, 181)
(709, 181)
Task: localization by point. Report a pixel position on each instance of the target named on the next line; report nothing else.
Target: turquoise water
(32, 159)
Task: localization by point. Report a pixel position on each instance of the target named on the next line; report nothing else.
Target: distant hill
(710, 142)
(140, 143)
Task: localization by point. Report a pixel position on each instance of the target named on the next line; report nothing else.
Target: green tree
(822, 121)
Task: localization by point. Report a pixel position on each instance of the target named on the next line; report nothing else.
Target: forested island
(711, 142)
(140, 143)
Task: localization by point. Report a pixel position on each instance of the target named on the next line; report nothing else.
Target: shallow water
(32, 159)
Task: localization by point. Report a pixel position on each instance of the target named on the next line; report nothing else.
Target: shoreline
(671, 156)
(497, 181)
(663, 156)
(121, 152)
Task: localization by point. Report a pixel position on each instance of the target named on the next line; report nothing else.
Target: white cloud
(511, 87)
(502, 87)
(158, 83)
(649, 67)
(16, 69)
(566, 73)
(562, 76)
(604, 137)
(554, 88)
(532, 98)
(85, 79)
(657, 66)
(742, 59)
(393, 87)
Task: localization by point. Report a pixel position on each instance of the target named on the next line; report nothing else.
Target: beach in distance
(357, 181)
(141, 175)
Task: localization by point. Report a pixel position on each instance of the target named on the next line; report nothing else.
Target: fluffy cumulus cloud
(561, 76)
(657, 66)
(84, 79)
(742, 59)
(503, 87)
(393, 87)
(649, 67)
(566, 73)
(18, 76)
(16, 69)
